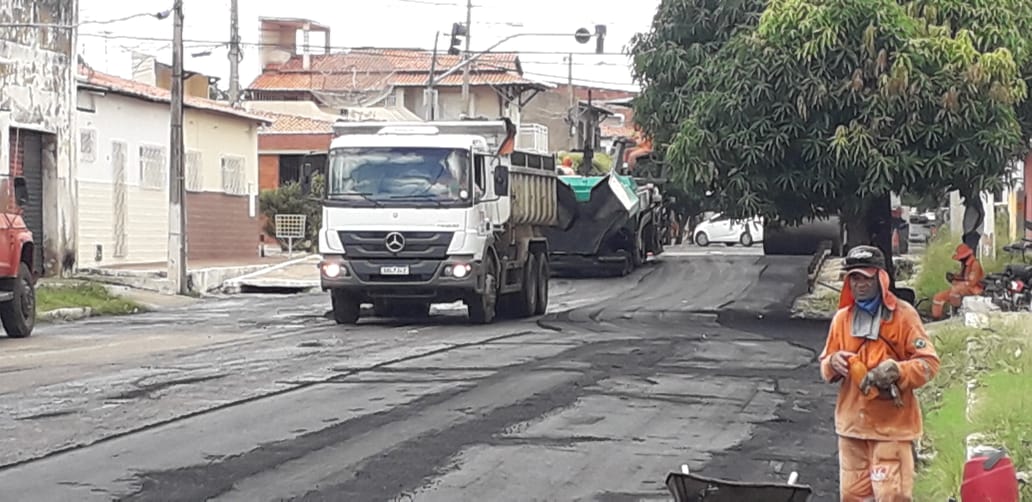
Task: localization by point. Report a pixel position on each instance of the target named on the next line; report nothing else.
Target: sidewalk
(205, 275)
(300, 274)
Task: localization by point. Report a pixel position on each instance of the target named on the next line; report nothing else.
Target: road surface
(691, 360)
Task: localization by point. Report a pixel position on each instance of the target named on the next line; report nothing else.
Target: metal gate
(30, 151)
(120, 210)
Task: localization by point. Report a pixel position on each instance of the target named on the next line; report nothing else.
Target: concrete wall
(222, 219)
(37, 86)
(268, 171)
(220, 227)
(134, 122)
(549, 109)
(486, 102)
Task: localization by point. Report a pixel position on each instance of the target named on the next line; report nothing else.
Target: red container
(990, 478)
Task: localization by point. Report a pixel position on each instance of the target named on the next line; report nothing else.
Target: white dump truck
(417, 213)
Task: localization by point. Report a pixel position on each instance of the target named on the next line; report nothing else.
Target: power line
(157, 15)
(196, 43)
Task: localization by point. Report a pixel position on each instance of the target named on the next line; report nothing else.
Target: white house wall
(214, 135)
(135, 122)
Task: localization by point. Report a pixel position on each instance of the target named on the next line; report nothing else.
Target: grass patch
(827, 301)
(1004, 406)
(85, 294)
(935, 263)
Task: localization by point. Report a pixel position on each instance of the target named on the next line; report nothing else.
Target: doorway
(27, 161)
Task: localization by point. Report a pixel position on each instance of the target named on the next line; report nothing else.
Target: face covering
(870, 306)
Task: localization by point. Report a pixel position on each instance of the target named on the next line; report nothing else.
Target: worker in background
(967, 283)
(875, 329)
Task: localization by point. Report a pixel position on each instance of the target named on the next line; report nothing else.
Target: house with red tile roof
(123, 174)
(378, 77)
(566, 130)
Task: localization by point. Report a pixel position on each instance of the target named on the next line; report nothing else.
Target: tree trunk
(974, 215)
(871, 225)
(879, 217)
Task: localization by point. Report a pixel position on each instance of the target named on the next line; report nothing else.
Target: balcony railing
(532, 138)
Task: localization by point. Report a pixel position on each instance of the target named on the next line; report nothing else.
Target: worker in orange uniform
(875, 328)
(967, 283)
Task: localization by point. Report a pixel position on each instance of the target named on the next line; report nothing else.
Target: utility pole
(234, 53)
(589, 139)
(428, 95)
(466, 95)
(573, 101)
(177, 207)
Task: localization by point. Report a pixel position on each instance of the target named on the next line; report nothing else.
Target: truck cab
(415, 214)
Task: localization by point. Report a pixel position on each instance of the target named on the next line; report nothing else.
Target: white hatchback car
(722, 229)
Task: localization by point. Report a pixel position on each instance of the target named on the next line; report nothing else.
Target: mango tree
(795, 109)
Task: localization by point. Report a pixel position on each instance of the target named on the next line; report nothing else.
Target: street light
(600, 31)
(583, 36)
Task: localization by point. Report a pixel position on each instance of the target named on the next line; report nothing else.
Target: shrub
(291, 199)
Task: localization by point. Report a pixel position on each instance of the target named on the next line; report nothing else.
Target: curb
(975, 444)
(65, 314)
(234, 285)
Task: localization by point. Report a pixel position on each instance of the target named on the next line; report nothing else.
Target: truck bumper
(432, 281)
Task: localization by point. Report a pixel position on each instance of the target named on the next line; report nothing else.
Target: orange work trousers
(875, 471)
(954, 296)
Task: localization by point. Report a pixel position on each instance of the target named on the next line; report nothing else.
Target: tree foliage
(799, 108)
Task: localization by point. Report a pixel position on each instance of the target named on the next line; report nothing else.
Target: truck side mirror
(501, 181)
(21, 191)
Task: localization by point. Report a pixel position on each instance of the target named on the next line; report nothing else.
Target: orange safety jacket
(901, 337)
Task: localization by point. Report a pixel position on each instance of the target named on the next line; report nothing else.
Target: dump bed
(532, 186)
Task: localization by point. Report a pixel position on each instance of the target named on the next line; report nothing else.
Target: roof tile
(285, 123)
(153, 93)
(373, 68)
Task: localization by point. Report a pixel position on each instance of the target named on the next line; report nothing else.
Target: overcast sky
(381, 23)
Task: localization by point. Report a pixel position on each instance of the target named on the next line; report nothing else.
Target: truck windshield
(400, 176)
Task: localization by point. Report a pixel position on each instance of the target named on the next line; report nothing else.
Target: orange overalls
(967, 283)
(876, 462)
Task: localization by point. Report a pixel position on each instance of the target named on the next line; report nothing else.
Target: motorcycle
(1011, 290)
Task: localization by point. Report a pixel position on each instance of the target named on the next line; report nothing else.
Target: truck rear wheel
(346, 309)
(526, 302)
(482, 307)
(542, 290)
(639, 254)
(19, 313)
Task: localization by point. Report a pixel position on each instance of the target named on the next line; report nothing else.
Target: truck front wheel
(482, 307)
(346, 309)
(19, 314)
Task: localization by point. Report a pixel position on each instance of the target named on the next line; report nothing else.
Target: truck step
(6, 296)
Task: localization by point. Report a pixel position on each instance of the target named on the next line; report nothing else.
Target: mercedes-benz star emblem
(394, 242)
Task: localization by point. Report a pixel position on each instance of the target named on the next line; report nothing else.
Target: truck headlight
(331, 269)
(459, 270)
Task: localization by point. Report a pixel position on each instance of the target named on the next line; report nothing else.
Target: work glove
(884, 377)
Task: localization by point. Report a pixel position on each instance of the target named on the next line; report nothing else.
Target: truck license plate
(394, 270)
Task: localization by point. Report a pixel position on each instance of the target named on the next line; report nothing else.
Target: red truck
(17, 281)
